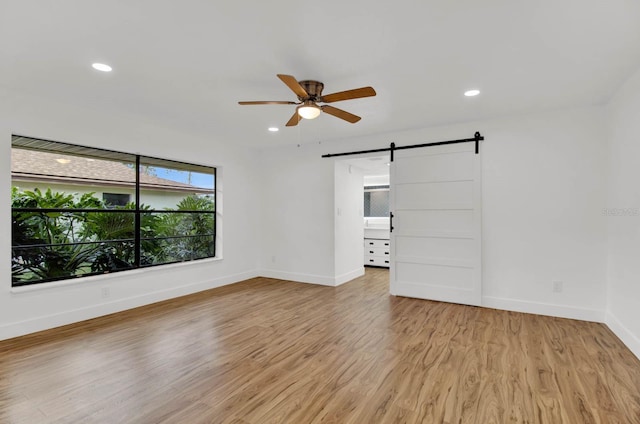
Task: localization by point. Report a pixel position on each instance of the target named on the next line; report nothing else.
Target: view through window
(79, 211)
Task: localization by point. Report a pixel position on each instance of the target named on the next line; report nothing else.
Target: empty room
(334, 212)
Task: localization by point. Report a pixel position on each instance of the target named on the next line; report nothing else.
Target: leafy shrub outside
(50, 245)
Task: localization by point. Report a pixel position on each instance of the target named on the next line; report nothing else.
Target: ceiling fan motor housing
(313, 88)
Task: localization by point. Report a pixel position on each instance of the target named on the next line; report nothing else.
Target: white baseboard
(623, 333)
(348, 276)
(561, 311)
(47, 322)
(299, 277)
(311, 278)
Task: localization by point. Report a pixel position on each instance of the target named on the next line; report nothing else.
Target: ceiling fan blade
(268, 103)
(348, 95)
(339, 113)
(294, 120)
(293, 84)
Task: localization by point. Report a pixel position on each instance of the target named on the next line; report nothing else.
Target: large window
(79, 211)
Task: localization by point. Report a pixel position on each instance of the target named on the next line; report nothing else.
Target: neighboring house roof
(31, 165)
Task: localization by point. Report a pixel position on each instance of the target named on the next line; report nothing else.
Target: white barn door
(436, 207)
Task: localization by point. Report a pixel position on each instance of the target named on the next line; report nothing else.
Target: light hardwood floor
(270, 351)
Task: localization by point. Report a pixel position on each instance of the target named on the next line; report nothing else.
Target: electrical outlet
(105, 292)
(557, 286)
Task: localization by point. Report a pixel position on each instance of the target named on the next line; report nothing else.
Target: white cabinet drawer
(376, 261)
(376, 251)
(375, 243)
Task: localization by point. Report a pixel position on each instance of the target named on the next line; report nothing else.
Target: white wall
(297, 216)
(61, 303)
(623, 214)
(543, 193)
(349, 231)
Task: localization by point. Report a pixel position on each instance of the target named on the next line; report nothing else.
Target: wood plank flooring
(271, 351)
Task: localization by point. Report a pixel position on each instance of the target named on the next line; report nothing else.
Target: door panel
(420, 165)
(436, 195)
(442, 220)
(432, 247)
(425, 275)
(436, 239)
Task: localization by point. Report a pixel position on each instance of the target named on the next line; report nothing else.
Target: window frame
(138, 211)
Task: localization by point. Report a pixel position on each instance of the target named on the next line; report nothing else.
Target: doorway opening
(369, 233)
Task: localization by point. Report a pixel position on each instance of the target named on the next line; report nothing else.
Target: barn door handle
(391, 222)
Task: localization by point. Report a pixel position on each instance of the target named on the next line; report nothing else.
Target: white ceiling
(187, 63)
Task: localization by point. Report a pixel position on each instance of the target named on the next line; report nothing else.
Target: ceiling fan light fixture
(309, 110)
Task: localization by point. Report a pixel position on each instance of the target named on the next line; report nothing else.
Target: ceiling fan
(309, 94)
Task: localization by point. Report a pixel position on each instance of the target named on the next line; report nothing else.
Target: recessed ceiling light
(101, 67)
(471, 93)
(274, 129)
(63, 161)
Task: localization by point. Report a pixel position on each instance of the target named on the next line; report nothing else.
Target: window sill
(109, 276)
